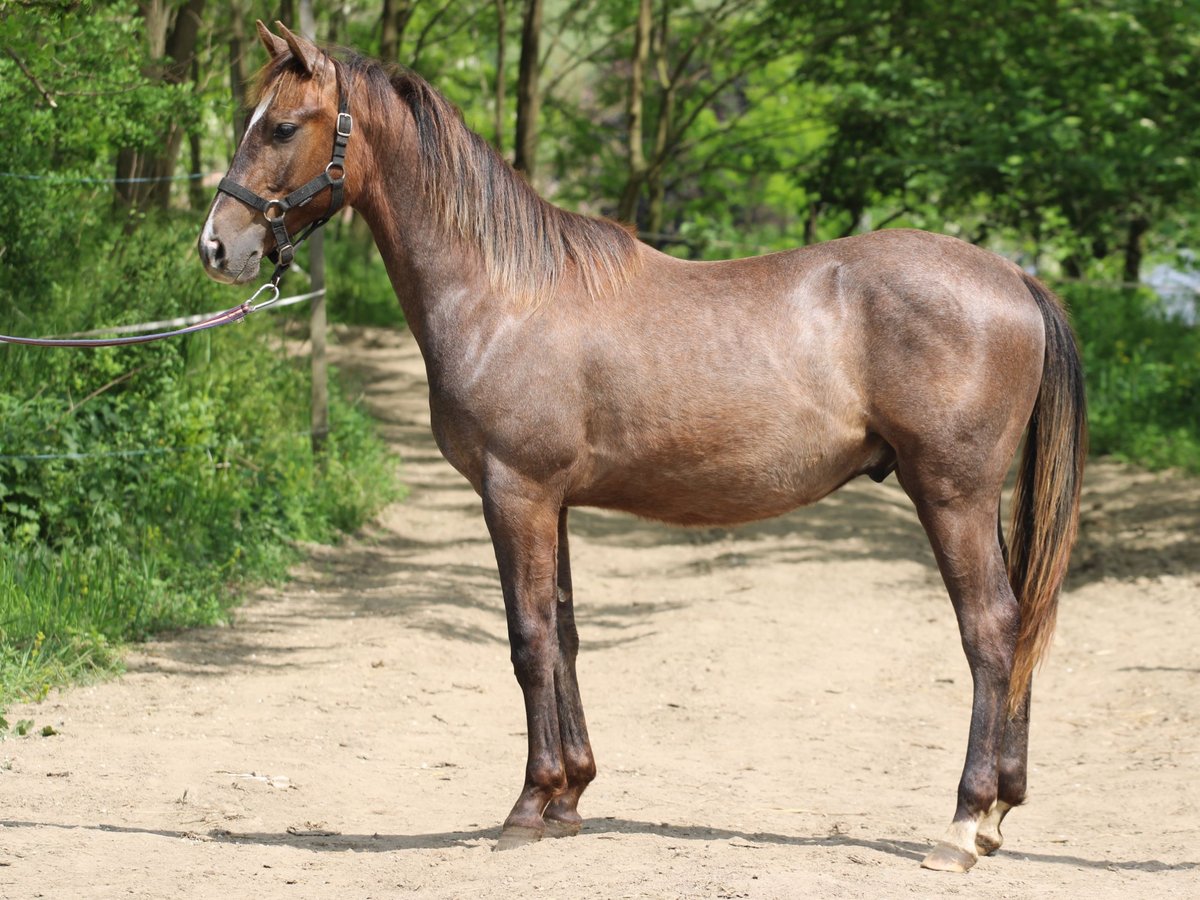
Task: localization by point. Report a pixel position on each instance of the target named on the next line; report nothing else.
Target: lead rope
(228, 317)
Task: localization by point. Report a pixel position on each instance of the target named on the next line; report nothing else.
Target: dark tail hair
(1046, 500)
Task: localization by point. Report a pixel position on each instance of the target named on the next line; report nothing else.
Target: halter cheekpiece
(276, 209)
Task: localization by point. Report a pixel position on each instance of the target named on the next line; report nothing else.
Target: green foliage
(1143, 377)
(139, 486)
(95, 68)
(360, 292)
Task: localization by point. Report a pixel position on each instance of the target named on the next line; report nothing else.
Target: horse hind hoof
(987, 844)
(948, 858)
(514, 836)
(559, 828)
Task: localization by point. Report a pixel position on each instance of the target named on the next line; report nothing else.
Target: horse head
(283, 177)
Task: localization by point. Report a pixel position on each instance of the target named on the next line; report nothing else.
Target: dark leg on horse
(562, 816)
(1014, 763)
(524, 534)
(962, 532)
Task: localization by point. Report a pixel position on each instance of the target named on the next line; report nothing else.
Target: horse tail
(1046, 499)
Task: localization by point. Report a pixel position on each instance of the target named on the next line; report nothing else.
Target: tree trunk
(635, 127)
(1138, 226)
(237, 72)
(663, 127)
(287, 13)
(501, 78)
(812, 221)
(196, 194)
(176, 46)
(308, 22)
(181, 51)
(393, 21)
(529, 98)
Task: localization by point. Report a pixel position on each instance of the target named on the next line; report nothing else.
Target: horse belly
(729, 475)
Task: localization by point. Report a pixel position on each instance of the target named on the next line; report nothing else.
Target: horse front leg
(562, 815)
(524, 532)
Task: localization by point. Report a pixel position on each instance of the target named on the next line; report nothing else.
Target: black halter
(276, 209)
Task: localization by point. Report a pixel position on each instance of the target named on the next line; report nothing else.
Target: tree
(529, 98)
(172, 35)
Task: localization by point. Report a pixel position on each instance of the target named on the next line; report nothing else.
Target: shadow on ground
(389, 843)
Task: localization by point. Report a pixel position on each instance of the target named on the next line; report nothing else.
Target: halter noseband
(275, 209)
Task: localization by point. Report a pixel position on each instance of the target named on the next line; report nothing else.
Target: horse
(571, 365)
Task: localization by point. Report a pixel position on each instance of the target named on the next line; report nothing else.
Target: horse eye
(284, 130)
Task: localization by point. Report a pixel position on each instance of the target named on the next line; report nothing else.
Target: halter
(275, 209)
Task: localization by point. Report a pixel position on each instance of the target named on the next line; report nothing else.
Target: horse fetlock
(547, 780)
(988, 838)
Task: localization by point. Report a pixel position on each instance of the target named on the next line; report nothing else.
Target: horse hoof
(987, 844)
(514, 836)
(948, 858)
(558, 828)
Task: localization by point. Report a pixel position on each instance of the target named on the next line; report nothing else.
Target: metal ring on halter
(269, 286)
(336, 165)
(278, 204)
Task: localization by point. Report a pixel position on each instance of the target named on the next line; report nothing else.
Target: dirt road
(777, 711)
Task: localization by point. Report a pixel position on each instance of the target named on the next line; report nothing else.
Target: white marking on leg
(988, 838)
(962, 835)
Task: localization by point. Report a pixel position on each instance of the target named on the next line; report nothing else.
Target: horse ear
(275, 45)
(306, 52)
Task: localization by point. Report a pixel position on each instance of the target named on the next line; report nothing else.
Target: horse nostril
(214, 251)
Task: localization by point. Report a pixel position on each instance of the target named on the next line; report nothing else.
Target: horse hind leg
(1014, 764)
(562, 815)
(961, 529)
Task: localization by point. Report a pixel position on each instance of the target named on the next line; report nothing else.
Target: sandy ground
(777, 711)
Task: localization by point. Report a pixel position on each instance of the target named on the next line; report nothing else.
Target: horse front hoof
(948, 858)
(514, 836)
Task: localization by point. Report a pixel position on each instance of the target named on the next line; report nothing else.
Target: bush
(1143, 377)
(140, 485)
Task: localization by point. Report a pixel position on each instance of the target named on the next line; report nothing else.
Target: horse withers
(571, 365)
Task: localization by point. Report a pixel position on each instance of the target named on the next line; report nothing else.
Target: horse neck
(441, 284)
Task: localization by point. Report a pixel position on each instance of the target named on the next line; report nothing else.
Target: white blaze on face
(259, 111)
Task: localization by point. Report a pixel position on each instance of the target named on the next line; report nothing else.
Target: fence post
(320, 388)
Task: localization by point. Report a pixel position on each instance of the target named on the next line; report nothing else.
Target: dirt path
(778, 711)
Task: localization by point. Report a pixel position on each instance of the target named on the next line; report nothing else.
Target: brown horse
(570, 365)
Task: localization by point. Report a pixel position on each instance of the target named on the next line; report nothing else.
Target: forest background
(141, 487)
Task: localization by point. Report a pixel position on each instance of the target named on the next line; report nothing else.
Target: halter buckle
(344, 131)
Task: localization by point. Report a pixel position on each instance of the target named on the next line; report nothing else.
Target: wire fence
(84, 179)
(136, 452)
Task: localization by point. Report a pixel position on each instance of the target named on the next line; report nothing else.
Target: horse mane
(528, 246)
